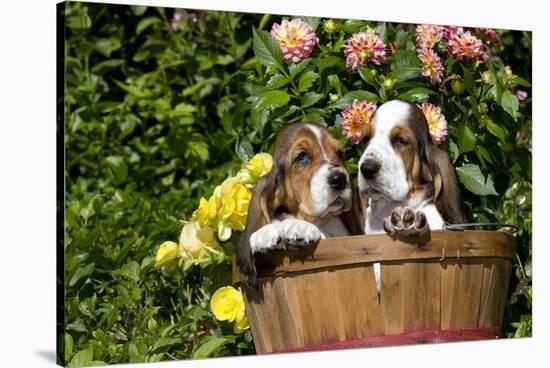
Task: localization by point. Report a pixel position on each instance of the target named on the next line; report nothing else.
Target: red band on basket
(410, 338)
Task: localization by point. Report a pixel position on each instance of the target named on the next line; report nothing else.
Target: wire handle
(492, 225)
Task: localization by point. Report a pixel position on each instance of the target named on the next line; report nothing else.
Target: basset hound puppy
(408, 184)
(307, 196)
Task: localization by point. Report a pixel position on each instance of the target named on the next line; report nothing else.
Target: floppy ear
(264, 201)
(353, 219)
(439, 170)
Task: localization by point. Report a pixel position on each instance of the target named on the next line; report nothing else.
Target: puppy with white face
(406, 182)
(307, 196)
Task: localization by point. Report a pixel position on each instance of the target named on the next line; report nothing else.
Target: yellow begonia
(227, 304)
(207, 211)
(241, 326)
(259, 165)
(196, 240)
(233, 211)
(167, 252)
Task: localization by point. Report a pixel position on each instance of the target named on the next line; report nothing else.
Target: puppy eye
(302, 158)
(398, 142)
(340, 154)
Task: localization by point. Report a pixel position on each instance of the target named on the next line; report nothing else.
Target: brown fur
(285, 190)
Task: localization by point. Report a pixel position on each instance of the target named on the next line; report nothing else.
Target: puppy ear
(353, 219)
(264, 201)
(439, 170)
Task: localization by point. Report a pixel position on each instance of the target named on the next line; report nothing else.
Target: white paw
(266, 239)
(299, 232)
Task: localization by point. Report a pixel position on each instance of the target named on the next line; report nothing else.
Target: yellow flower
(227, 304)
(196, 240)
(234, 198)
(207, 211)
(259, 165)
(241, 326)
(167, 252)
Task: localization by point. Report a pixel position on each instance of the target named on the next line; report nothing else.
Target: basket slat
(325, 296)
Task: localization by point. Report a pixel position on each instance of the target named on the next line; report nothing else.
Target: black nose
(369, 168)
(337, 180)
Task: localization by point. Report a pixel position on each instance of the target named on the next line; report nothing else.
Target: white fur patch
(293, 230)
(391, 181)
(321, 193)
(266, 238)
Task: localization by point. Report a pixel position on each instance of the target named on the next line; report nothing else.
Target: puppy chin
(373, 192)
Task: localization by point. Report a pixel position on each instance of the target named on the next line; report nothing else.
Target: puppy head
(400, 157)
(309, 178)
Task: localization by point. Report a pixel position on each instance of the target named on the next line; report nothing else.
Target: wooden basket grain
(451, 288)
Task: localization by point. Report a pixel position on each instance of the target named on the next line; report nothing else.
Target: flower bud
(458, 87)
(334, 97)
(388, 83)
(329, 26)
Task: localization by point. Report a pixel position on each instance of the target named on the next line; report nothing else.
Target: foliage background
(156, 117)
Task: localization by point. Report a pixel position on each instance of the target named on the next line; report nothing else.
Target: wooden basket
(452, 288)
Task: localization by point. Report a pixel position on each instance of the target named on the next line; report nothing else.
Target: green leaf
(520, 81)
(466, 138)
(244, 150)
(307, 80)
(68, 345)
(145, 23)
(274, 99)
(404, 73)
(311, 98)
(82, 358)
(405, 58)
(496, 130)
(348, 98)
(138, 10)
(210, 347)
(104, 66)
(200, 150)
(267, 50)
(367, 75)
(106, 46)
(510, 103)
(470, 175)
(312, 21)
(297, 68)
(118, 167)
(277, 81)
(81, 273)
(183, 109)
(164, 342)
(419, 94)
(468, 81)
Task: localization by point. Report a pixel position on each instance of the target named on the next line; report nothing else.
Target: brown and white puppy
(307, 196)
(408, 183)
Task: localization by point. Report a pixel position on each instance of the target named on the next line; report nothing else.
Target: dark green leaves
(466, 138)
(510, 103)
(348, 98)
(266, 49)
(419, 94)
(307, 80)
(274, 99)
(403, 73)
(470, 175)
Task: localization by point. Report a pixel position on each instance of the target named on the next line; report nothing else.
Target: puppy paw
(298, 233)
(266, 239)
(406, 222)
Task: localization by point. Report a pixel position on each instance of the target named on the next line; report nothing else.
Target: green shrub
(159, 111)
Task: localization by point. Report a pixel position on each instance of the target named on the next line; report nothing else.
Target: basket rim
(344, 251)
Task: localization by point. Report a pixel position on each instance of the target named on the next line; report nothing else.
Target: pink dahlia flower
(356, 117)
(448, 31)
(296, 38)
(489, 33)
(427, 35)
(466, 46)
(437, 123)
(431, 65)
(521, 95)
(362, 48)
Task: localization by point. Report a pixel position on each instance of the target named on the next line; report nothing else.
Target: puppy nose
(337, 180)
(369, 168)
